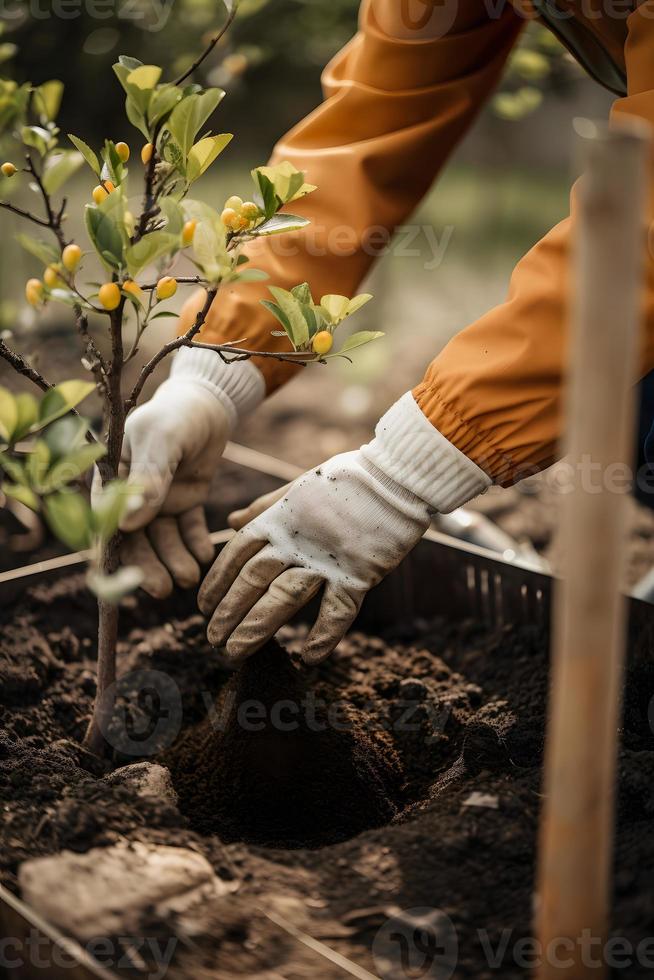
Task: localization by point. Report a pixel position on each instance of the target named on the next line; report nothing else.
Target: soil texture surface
(402, 774)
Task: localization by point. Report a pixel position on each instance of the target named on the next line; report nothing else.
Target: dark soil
(291, 781)
(370, 814)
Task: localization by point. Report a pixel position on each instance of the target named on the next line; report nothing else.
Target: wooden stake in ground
(589, 614)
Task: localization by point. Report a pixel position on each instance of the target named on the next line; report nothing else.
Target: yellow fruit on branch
(230, 218)
(188, 231)
(323, 342)
(100, 194)
(122, 149)
(234, 202)
(71, 257)
(51, 277)
(146, 153)
(166, 287)
(132, 288)
(250, 211)
(34, 291)
(109, 295)
(8, 169)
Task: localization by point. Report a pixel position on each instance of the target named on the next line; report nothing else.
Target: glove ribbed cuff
(239, 387)
(409, 450)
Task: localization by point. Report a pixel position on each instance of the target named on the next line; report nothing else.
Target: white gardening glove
(342, 526)
(172, 446)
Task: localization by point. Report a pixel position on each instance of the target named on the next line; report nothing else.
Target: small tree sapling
(59, 445)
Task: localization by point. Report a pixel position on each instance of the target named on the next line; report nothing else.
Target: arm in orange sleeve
(397, 101)
(495, 390)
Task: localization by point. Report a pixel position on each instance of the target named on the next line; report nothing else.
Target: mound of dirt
(268, 766)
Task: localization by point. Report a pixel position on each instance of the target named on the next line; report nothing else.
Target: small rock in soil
(485, 800)
(105, 891)
(147, 779)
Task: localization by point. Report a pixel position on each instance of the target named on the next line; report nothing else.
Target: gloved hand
(342, 526)
(172, 446)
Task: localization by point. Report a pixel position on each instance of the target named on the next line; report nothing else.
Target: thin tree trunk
(108, 613)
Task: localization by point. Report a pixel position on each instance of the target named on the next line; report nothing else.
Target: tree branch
(20, 365)
(54, 220)
(300, 357)
(99, 366)
(181, 281)
(207, 51)
(172, 345)
(25, 214)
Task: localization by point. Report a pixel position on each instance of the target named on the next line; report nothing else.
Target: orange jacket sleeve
(394, 109)
(495, 389)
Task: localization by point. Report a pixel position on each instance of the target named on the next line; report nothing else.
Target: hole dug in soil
(274, 765)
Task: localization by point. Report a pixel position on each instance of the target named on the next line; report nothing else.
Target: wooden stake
(574, 881)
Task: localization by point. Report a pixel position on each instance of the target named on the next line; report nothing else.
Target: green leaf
(203, 154)
(62, 398)
(145, 77)
(359, 339)
(42, 251)
(28, 412)
(136, 117)
(299, 332)
(302, 292)
(110, 505)
(65, 435)
(7, 51)
(69, 518)
(210, 251)
(188, 117)
(150, 248)
(13, 468)
(87, 153)
(162, 103)
(173, 154)
(47, 99)
(113, 588)
(269, 200)
(36, 137)
(105, 224)
(8, 414)
(279, 315)
(288, 182)
(23, 494)
(72, 466)
(357, 302)
(59, 168)
(335, 307)
(280, 223)
(249, 275)
(114, 168)
(36, 464)
(174, 215)
(131, 64)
